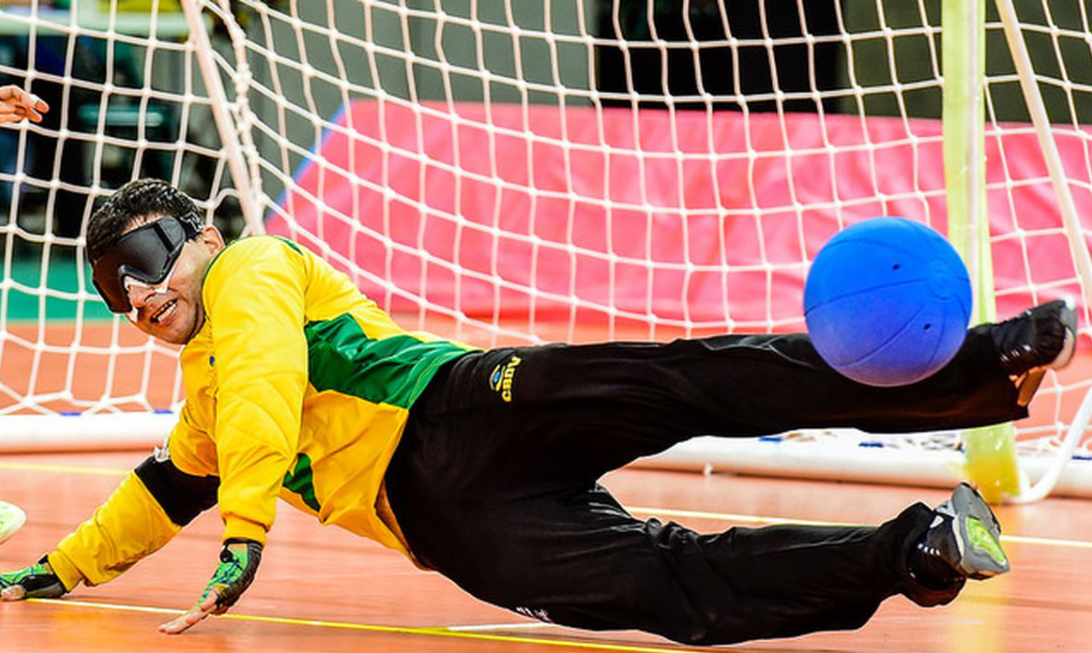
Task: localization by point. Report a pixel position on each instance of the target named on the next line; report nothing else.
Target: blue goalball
(887, 302)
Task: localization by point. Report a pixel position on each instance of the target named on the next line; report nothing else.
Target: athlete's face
(173, 312)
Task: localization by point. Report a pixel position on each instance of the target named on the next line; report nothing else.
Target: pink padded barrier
(469, 206)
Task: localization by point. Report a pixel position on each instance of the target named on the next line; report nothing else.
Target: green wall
(61, 278)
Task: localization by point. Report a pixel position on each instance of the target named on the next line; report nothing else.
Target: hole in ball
(928, 326)
(896, 266)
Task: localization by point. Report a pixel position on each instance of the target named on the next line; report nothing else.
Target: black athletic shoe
(1038, 339)
(964, 541)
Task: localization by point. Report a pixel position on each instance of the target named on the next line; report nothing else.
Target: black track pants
(494, 483)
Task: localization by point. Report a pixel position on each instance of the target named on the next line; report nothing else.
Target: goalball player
(484, 465)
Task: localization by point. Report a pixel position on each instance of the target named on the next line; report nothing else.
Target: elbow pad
(182, 496)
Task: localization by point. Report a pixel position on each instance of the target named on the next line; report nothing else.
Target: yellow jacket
(297, 386)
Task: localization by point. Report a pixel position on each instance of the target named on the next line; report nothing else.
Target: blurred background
(56, 166)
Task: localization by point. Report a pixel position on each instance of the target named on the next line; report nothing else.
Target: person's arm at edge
(16, 104)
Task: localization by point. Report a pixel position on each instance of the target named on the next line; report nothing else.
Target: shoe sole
(11, 520)
(1029, 384)
(978, 534)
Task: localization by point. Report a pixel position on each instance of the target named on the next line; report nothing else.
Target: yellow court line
(665, 512)
(727, 516)
(63, 469)
(435, 631)
(756, 519)
(1045, 541)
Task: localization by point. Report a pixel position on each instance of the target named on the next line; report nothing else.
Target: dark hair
(137, 202)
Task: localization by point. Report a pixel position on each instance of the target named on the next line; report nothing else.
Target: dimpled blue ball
(887, 302)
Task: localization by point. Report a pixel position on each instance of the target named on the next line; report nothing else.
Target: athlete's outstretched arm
(148, 508)
(254, 295)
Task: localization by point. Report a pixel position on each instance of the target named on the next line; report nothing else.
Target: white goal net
(512, 172)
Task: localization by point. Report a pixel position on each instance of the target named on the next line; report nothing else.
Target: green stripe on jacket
(394, 370)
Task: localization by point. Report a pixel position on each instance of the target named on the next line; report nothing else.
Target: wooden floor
(322, 590)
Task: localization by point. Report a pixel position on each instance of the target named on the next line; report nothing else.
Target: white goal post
(566, 170)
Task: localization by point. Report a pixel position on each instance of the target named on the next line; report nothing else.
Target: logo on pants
(502, 377)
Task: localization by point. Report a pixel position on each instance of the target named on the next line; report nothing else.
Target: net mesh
(508, 173)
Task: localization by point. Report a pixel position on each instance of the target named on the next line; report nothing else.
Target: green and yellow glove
(35, 582)
(238, 563)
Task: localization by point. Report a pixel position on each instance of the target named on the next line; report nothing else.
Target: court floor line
(529, 625)
(63, 469)
(757, 519)
(456, 632)
(664, 512)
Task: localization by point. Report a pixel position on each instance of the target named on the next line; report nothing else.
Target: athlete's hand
(35, 582)
(238, 563)
(16, 104)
